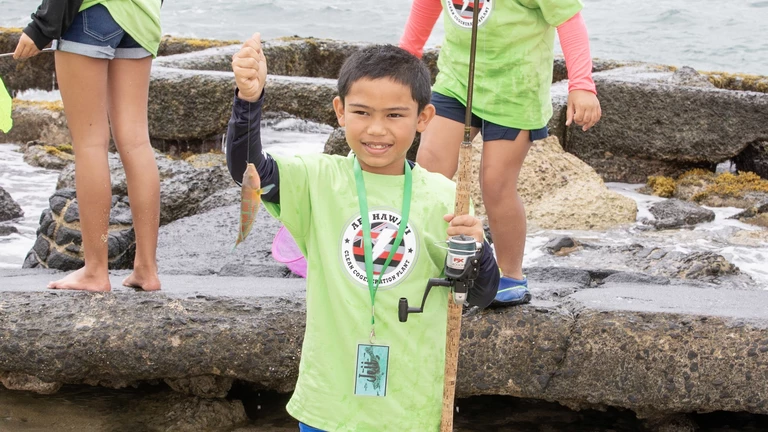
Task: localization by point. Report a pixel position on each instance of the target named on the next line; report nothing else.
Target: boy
(361, 369)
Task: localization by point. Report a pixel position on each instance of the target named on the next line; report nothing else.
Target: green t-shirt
(139, 18)
(514, 57)
(318, 205)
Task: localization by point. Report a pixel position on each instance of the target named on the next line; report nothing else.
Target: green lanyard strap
(367, 243)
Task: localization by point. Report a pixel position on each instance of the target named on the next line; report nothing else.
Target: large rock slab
(652, 126)
(652, 349)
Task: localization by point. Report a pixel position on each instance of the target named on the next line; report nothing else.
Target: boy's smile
(381, 119)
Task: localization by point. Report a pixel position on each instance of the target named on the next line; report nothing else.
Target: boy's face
(381, 120)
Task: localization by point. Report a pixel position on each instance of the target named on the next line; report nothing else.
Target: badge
(372, 368)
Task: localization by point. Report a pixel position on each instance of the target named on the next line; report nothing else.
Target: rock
(171, 45)
(207, 160)
(674, 213)
(208, 386)
(223, 198)
(688, 76)
(706, 266)
(743, 190)
(59, 239)
(182, 186)
(20, 381)
(49, 157)
(754, 158)
(651, 127)
(638, 347)
(9, 209)
(562, 243)
(6, 230)
(561, 192)
(43, 122)
(33, 73)
(203, 245)
(757, 215)
(203, 111)
(636, 278)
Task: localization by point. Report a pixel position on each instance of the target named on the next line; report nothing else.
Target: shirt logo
(384, 225)
(461, 11)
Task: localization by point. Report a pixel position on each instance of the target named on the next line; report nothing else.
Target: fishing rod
(42, 51)
(463, 259)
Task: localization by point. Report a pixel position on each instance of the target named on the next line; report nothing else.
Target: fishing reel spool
(462, 266)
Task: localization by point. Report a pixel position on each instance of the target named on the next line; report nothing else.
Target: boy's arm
(244, 145)
(424, 14)
(244, 131)
(487, 283)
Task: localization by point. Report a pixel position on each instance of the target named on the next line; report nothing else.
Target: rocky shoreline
(661, 332)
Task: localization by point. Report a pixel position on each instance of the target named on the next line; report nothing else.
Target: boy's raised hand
(465, 224)
(250, 67)
(583, 108)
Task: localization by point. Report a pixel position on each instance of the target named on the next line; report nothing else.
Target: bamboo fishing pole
(461, 207)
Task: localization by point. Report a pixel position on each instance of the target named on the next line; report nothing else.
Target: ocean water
(704, 34)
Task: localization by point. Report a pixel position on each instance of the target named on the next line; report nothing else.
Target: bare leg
(128, 97)
(83, 84)
(502, 161)
(439, 146)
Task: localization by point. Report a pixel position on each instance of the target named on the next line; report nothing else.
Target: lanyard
(367, 246)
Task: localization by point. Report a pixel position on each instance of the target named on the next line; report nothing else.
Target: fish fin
(266, 189)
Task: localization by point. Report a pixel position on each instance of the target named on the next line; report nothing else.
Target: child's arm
(424, 14)
(244, 131)
(583, 106)
(487, 283)
(50, 19)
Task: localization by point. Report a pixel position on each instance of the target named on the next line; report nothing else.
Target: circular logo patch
(384, 225)
(461, 11)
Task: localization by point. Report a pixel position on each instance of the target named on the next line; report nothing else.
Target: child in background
(103, 59)
(361, 369)
(511, 103)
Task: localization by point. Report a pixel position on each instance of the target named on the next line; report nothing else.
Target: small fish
(250, 195)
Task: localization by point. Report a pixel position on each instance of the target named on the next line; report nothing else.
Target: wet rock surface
(59, 243)
(9, 208)
(675, 213)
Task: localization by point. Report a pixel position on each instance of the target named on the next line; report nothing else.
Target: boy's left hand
(465, 224)
(583, 108)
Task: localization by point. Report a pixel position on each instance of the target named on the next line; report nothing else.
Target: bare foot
(82, 281)
(142, 279)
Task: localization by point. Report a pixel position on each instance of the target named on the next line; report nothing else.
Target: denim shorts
(95, 34)
(453, 109)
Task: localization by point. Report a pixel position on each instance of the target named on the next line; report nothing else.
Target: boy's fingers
(569, 114)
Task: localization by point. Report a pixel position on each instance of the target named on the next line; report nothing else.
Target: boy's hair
(387, 61)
